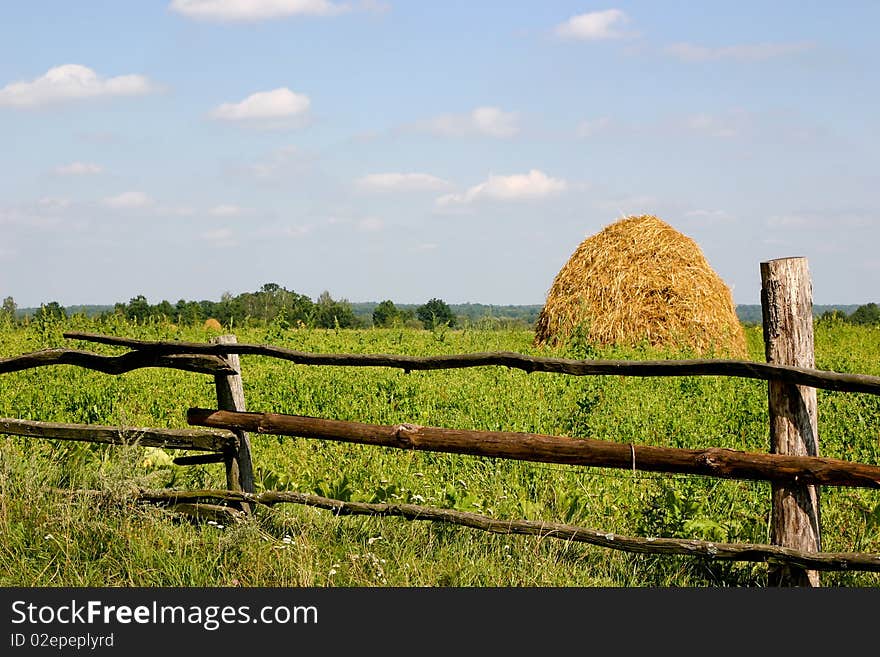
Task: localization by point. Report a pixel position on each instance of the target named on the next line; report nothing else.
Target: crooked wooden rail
(823, 379)
(794, 468)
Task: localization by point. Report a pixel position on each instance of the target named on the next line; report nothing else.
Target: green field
(50, 536)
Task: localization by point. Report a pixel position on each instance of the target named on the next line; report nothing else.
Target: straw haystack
(639, 280)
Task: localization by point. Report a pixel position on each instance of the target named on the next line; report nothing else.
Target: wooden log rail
(188, 439)
(671, 546)
(189, 362)
(714, 462)
(739, 368)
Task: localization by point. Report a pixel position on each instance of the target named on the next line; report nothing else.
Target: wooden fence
(792, 466)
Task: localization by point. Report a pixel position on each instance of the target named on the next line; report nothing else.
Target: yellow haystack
(212, 324)
(640, 280)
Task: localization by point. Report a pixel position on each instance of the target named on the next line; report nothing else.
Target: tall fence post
(230, 397)
(787, 310)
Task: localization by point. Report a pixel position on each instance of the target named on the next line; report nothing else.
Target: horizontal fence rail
(715, 462)
(199, 363)
(754, 552)
(738, 368)
(187, 439)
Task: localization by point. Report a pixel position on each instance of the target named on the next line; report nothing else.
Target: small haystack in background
(640, 280)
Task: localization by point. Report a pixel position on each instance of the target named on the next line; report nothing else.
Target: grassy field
(50, 536)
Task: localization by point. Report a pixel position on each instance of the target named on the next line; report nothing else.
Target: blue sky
(410, 150)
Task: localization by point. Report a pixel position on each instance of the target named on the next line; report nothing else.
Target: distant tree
(271, 301)
(868, 314)
(50, 311)
(386, 314)
(299, 307)
(329, 313)
(188, 312)
(138, 308)
(833, 316)
(9, 307)
(163, 309)
(435, 312)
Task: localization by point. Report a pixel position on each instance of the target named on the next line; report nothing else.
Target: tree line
(287, 308)
(865, 315)
(272, 303)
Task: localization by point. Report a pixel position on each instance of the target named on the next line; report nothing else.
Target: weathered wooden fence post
(787, 309)
(230, 397)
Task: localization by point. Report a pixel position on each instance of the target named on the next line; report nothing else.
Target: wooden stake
(230, 396)
(787, 308)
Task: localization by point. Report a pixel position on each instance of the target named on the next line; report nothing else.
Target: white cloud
(532, 185)
(54, 203)
(594, 25)
(37, 217)
(492, 121)
(409, 182)
(287, 231)
(255, 10)
(592, 127)
(71, 82)
(279, 103)
(281, 163)
(219, 237)
(128, 200)
(370, 224)
(175, 210)
(727, 126)
(226, 210)
(294, 231)
(78, 169)
(758, 52)
(486, 121)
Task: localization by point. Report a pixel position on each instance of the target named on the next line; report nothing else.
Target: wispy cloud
(277, 104)
(54, 203)
(220, 238)
(281, 164)
(485, 121)
(714, 126)
(45, 214)
(756, 52)
(128, 200)
(403, 182)
(285, 231)
(255, 10)
(828, 221)
(370, 224)
(227, 210)
(594, 26)
(532, 185)
(592, 127)
(78, 169)
(71, 82)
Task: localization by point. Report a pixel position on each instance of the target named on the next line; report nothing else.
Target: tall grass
(52, 536)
